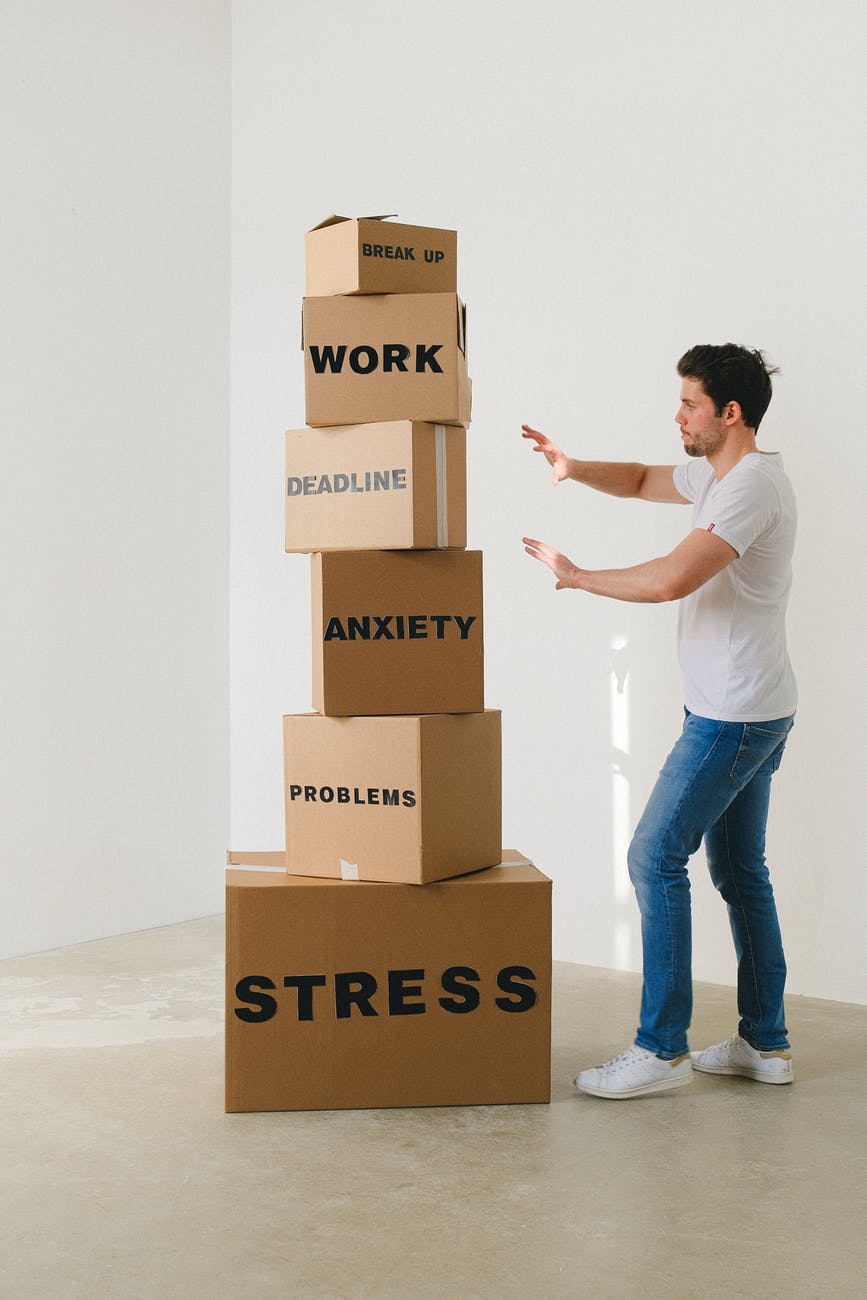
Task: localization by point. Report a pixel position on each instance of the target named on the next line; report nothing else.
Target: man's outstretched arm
(619, 479)
(692, 563)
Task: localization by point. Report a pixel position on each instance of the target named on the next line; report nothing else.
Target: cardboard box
(345, 995)
(408, 799)
(346, 255)
(394, 356)
(397, 632)
(397, 485)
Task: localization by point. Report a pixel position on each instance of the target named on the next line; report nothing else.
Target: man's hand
(563, 569)
(557, 459)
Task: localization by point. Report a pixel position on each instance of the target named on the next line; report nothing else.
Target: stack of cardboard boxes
(402, 959)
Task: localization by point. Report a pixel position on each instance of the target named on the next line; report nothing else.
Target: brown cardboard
(394, 356)
(346, 255)
(397, 632)
(256, 858)
(408, 799)
(344, 995)
(397, 485)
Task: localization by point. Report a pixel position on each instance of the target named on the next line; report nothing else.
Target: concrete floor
(122, 1177)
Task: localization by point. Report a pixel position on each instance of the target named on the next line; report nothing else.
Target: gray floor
(122, 1177)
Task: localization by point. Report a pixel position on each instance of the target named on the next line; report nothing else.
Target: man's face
(702, 431)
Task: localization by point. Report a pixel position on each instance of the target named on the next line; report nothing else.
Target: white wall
(627, 180)
(114, 475)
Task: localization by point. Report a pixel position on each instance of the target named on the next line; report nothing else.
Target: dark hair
(729, 373)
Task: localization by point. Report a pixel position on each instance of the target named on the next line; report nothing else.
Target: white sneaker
(635, 1073)
(736, 1056)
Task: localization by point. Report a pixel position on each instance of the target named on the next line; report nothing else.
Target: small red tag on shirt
(711, 527)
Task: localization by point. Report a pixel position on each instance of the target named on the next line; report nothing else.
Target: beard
(708, 441)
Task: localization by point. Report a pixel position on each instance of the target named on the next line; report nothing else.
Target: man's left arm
(697, 559)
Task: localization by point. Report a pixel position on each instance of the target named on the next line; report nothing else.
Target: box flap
(333, 220)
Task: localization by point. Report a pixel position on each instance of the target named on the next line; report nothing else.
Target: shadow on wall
(626, 954)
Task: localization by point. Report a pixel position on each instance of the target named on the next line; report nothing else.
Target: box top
(334, 220)
(513, 870)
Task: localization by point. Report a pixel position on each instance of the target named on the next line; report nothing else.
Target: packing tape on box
(442, 486)
(348, 870)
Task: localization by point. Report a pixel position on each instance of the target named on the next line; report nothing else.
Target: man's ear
(732, 412)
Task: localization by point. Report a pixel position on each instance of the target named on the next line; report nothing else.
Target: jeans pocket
(760, 743)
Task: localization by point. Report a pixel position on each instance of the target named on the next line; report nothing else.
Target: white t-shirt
(731, 632)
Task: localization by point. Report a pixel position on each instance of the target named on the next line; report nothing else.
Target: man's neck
(740, 442)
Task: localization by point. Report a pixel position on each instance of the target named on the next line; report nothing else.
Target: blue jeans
(715, 786)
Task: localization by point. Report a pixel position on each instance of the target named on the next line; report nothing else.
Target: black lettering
(401, 634)
(424, 356)
(454, 980)
(509, 981)
(343, 794)
(366, 250)
(326, 358)
(409, 253)
(398, 478)
(464, 625)
(429, 254)
(372, 795)
(341, 482)
(249, 990)
(398, 253)
(293, 488)
(377, 250)
(358, 629)
(310, 794)
(294, 791)
(324, 484)
(399, 990)
(326, 794)
(309, 484)
(305, 985)
(334, 630)
(357, 796)
(355, 362)
(408, 799)
(439, 621)
(394, 357)
(390, 798)
(382, 633)
(381, 481)
(353, 989)
(417, 627)
(389, 250)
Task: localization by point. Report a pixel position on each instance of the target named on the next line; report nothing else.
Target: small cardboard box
(393, 356)
(405, 799)
(346, 995)
(376, 487)
(346, 255)
(397, 632)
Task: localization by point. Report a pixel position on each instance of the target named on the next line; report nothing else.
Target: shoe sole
(661, 1085)
(744, 1072)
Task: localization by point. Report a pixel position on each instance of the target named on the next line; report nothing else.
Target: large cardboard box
(397, 632)
(345, 995)
(393, 356)
(408, 799)
(347, 255)
(401, 484)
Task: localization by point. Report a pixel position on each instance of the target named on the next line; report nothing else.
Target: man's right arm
(619, 479)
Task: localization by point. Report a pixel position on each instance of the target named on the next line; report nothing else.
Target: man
(731, 576)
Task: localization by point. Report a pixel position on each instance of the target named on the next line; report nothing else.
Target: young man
(731, 575)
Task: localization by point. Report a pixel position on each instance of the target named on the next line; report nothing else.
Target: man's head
(731, 374)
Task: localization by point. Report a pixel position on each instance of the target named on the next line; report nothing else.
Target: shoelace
(625, 1059)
